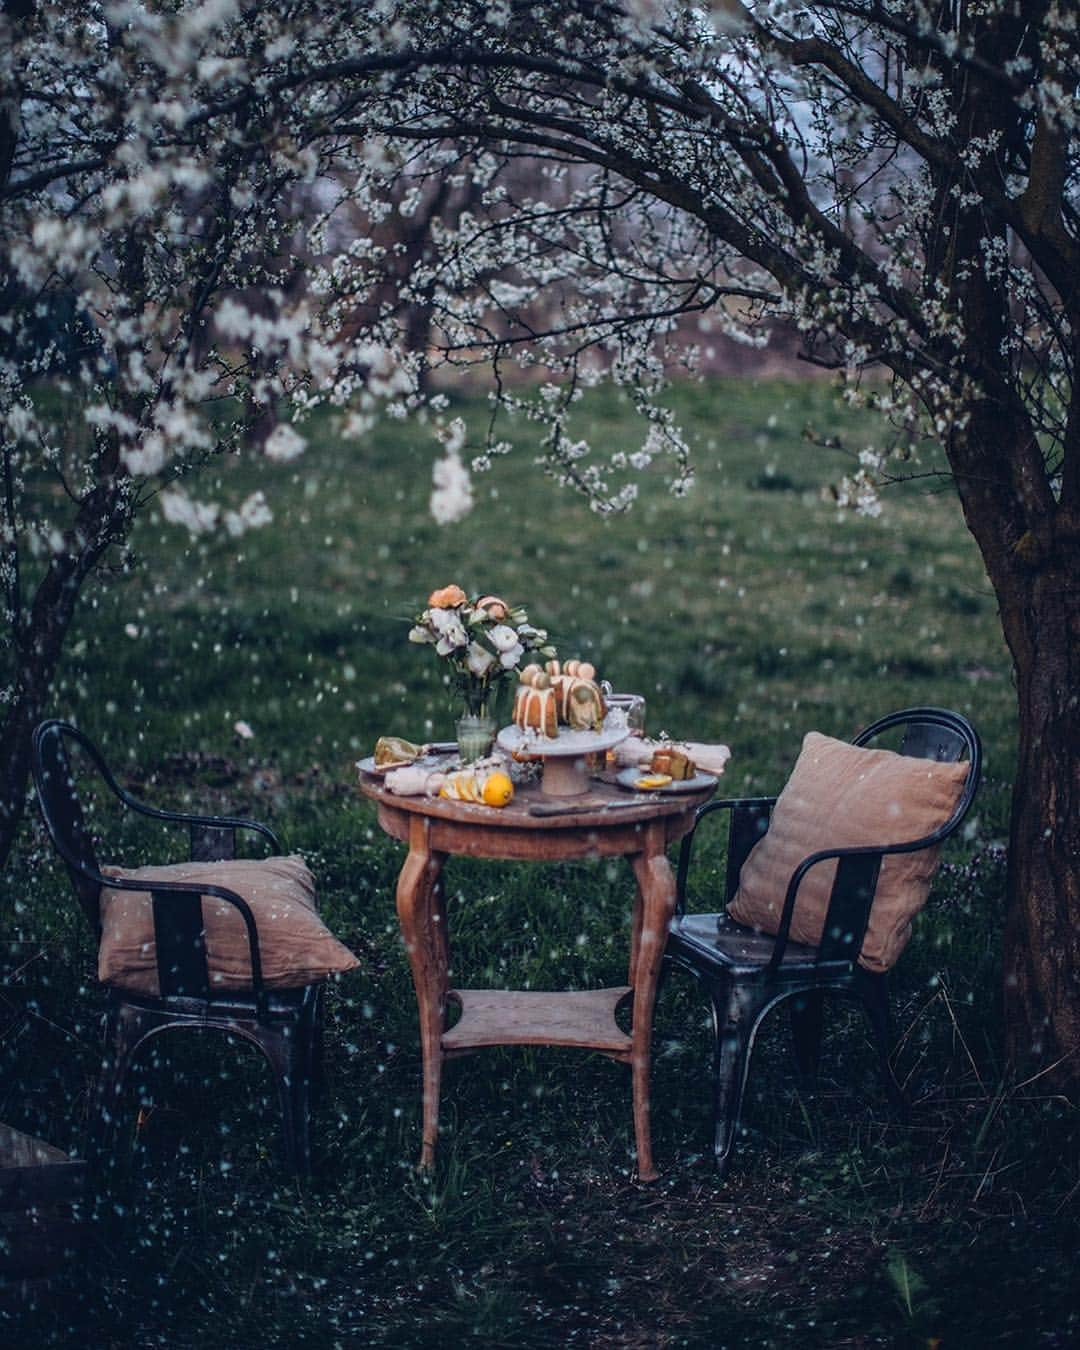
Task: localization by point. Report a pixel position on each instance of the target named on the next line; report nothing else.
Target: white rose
(478, 660)
(453, 637)
(503, 638)
(509, 659)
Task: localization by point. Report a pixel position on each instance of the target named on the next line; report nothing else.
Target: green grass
(747, 613)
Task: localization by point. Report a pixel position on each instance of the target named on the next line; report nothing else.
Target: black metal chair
(747, 973)
(283, 1023)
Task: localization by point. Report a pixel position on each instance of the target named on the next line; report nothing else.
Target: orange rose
(448, 598)
(498, 609)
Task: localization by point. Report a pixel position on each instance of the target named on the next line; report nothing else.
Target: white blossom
(180, 509)
(451, 496)
(284, 444)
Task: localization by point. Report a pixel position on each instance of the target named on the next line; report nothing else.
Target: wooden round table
(605, 823)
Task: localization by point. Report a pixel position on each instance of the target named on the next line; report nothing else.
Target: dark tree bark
(1042, 935)
(38, 642)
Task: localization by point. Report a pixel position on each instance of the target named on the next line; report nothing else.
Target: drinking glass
(633, 705)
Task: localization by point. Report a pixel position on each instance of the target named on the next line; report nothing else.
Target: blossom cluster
(482, 639)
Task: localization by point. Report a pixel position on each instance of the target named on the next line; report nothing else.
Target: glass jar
(633, 706)
(630, 707)
(475, 736)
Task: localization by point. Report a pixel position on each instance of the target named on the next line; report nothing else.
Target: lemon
(498, 789)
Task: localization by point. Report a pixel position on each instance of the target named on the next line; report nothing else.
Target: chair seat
(727, 943)
(234, 1005)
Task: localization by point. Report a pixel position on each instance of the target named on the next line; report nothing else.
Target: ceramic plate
(516, 741)
(628, 778)
(368, 765)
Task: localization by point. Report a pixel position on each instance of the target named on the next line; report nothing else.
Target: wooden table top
(605, 821)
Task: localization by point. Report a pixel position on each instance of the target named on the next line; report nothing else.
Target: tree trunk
(39, 642)
(1042, 934)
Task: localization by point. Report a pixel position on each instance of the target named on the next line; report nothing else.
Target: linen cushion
(840, 796)
(295, 946)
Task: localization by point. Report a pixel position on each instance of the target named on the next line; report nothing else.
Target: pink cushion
(295, 946)
(840, 796)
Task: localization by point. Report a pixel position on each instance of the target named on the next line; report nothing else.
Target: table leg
(652, 919)
(423, 928)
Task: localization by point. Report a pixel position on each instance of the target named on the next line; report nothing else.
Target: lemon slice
(652, 781)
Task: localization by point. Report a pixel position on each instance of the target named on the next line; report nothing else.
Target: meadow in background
(747, 613)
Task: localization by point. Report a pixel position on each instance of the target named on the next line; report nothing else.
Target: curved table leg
(423, 928)
(652, 919)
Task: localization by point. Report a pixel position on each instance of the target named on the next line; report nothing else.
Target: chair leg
(874, 996)
(735, 1018)
(805, 1016)
(318, 1054)
(288, 1051)
(125, 1030)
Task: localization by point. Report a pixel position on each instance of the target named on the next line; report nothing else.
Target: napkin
(635, 750)
(414, 781)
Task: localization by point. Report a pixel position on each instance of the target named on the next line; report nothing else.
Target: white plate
(514, 740)
(628, 778)
(368, 765)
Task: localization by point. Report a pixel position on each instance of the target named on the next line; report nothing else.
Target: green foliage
(744, 614)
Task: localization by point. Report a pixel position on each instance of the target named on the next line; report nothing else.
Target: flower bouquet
(482, 641)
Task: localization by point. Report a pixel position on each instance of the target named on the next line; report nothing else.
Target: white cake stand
(565, 774)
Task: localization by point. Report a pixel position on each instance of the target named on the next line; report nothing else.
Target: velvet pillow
(295, 946)
(840, 796)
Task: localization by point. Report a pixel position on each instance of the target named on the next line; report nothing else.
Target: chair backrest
(62, 811)
(923, 733)
(179, 929)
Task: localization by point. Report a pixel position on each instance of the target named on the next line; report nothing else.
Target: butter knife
(581, 808)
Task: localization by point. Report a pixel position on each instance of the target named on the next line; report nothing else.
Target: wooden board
(41, 1190)
(530, 1017)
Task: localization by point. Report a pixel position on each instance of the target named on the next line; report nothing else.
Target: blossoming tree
(897, 180)
(151, 224)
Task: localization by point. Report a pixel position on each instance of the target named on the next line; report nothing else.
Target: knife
(581, 808)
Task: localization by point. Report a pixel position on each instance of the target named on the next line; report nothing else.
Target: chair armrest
(189, 936)
(744, 811)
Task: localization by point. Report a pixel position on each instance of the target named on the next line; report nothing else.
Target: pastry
(671, 760)
(536, 702)
(392, 750)
(581, 704)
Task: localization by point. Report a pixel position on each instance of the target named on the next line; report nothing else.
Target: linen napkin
(414, 781)
(636, 750)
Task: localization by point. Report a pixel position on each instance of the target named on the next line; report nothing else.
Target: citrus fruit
(498, 790)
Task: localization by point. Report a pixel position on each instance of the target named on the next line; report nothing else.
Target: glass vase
(475, 736)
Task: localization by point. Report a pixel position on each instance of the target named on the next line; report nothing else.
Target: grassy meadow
(747, 613)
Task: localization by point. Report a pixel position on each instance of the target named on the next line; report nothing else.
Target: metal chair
(747, 973)
(283, 1023)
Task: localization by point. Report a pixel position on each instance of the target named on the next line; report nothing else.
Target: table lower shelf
(528, 1017)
